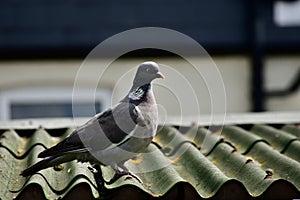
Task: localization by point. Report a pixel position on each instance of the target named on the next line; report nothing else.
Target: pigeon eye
(147, 70)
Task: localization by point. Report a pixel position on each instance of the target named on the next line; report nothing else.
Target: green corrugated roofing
(190, 163)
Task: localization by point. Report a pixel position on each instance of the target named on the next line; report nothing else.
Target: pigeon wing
(104, 129)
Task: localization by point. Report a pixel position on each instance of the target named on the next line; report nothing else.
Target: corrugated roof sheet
(236, 162)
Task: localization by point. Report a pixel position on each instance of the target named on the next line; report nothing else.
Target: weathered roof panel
(277, 138)
(293, 129)
(227, 162)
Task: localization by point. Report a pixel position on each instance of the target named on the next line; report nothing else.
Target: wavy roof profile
(244, 161)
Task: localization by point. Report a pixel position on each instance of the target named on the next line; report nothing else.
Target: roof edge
(202, 120)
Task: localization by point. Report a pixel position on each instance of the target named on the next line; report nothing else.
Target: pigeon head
(147, 72)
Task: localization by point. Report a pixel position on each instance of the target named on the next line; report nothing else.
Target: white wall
(280, 71)
(234, 70)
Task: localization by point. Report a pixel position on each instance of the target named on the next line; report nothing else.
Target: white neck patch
(136, 94)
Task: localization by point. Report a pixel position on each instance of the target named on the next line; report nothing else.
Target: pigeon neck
(139, 94)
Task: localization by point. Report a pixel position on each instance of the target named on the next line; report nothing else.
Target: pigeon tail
(45, 163)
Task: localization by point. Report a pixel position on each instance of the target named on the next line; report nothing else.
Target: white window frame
(50, 95)
(287, 13)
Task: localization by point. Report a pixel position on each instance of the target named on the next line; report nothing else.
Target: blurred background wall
(255, 44)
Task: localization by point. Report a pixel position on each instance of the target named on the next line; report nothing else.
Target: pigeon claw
(97, 172)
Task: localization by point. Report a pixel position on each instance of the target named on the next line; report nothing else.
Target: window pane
(48, 110)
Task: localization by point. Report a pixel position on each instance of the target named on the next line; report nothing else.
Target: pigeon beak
(160, 75)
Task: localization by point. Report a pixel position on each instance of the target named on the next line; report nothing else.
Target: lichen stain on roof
(231, 163)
